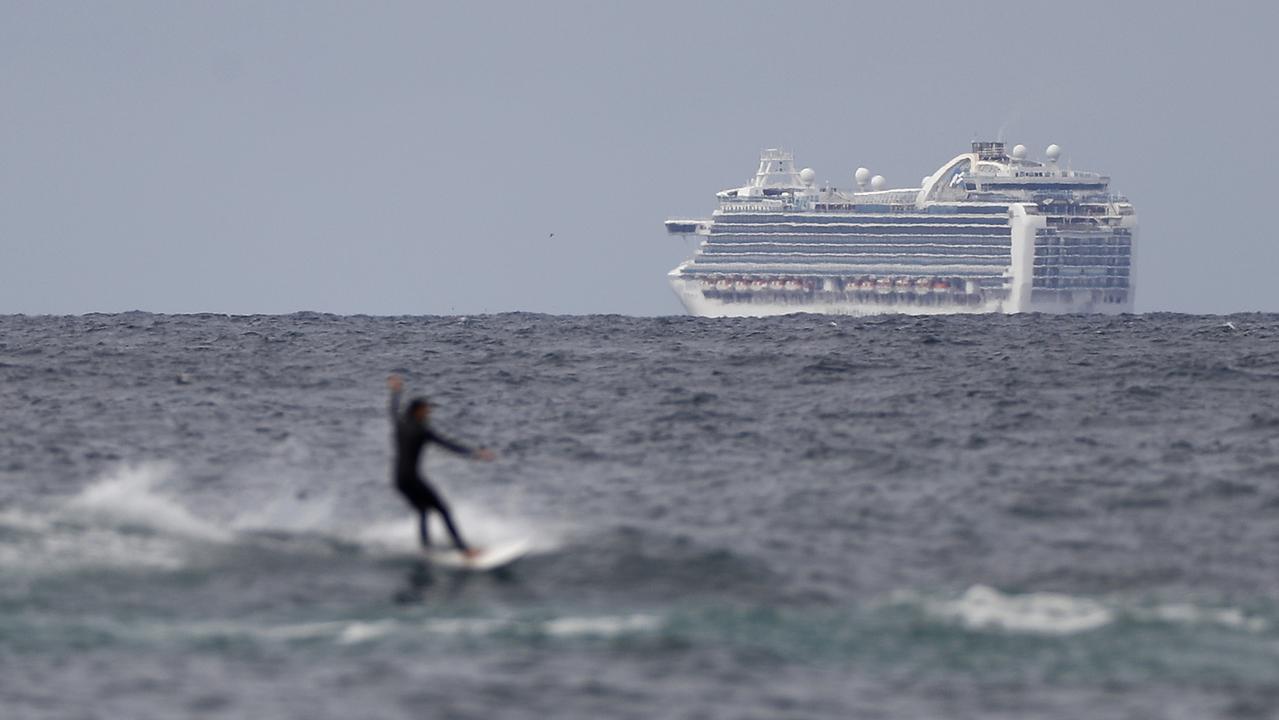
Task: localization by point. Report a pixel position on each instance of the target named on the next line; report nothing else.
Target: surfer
(412, 435)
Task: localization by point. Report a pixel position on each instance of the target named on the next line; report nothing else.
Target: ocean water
(798, 517)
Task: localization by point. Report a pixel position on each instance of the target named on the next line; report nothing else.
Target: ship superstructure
(989, 231)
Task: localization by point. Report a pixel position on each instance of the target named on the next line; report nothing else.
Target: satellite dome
(862, 175)
(1019, 152)
(806, 176)
(1053, 152)
(878, 182)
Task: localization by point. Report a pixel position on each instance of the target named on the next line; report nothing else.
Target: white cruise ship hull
(697, 301)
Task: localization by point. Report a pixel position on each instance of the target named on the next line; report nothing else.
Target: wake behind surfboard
(490, 558)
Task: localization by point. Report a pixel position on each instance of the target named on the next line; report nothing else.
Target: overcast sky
(389, 158)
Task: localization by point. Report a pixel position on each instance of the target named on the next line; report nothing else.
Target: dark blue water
(959, 517)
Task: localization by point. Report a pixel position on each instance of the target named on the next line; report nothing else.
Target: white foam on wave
(120, 520)
(602, 626)
(354, 632)
(397, 536)
(1187, 614)
(125, 519)
(360, 631)
(350, 632)
(597, 626)
(1044, 613)
(479, 526)
(984, 608)
(128, 497)
(340, 632)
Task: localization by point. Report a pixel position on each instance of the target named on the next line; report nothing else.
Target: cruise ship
(989, 231)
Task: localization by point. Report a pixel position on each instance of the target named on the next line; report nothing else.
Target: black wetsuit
(411, 439)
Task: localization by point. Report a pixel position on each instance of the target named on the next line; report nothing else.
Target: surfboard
(490, 558)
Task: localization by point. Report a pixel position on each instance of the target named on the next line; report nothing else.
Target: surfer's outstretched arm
(459, 448)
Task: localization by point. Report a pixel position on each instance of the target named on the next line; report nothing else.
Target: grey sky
(392, 158)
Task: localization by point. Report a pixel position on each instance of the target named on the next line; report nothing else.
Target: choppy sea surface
(799, 517)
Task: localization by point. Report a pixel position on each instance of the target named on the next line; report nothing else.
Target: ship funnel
(989, 150)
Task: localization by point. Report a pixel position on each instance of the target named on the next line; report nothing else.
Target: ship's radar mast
(777, 170)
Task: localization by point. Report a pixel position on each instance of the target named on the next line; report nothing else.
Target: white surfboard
(490, 558)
